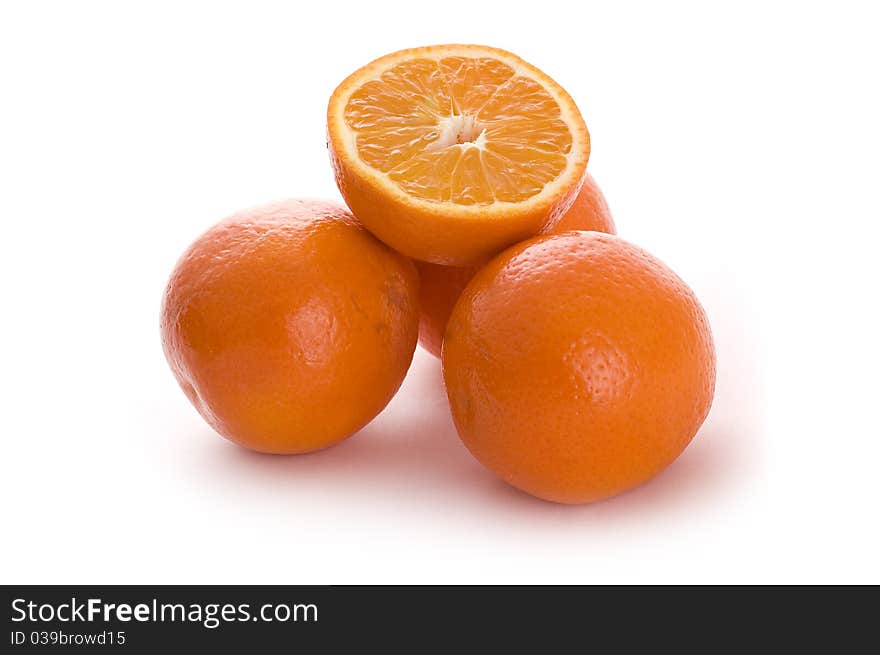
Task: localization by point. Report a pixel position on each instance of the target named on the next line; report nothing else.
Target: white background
(739, 145)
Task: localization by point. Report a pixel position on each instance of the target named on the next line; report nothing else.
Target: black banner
(324, 619)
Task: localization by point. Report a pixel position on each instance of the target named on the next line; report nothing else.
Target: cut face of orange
(450, 153)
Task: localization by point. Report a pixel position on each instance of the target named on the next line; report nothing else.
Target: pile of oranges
(576, 364)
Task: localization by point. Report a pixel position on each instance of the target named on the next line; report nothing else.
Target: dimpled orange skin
(577, 366)
(442, 285)
(289, 326)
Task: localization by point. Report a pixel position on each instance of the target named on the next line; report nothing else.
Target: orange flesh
(460, 129)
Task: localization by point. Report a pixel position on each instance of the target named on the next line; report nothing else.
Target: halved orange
(449, 153)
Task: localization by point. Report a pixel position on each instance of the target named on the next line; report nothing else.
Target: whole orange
(441, 285)
(289, 326)
(577, 366)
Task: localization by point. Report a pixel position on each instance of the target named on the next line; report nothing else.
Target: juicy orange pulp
(460, 129)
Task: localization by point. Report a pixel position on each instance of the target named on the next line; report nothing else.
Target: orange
(449, 153)
(577, 366)
(289, 326)
(441, 285)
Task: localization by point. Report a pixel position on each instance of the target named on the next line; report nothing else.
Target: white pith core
(461, 130)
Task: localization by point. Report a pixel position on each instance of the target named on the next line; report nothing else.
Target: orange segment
(450, 153)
